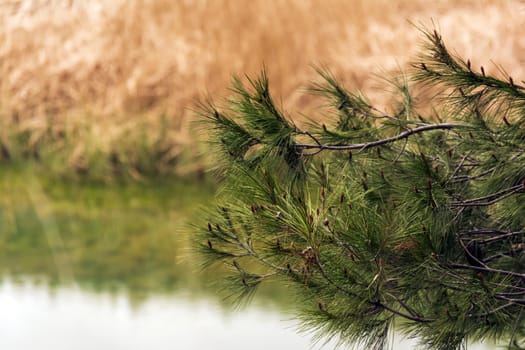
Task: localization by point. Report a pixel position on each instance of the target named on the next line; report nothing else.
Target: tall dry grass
(105, 85)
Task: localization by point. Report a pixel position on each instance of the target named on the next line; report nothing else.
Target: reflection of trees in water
(120, 238)
(113, 238)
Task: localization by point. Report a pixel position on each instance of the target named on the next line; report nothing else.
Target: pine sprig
(470, 88)
(380, 218)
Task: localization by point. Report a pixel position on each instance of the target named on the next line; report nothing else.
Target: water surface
(87, 266)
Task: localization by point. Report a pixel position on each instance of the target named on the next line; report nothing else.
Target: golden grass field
(99, 85)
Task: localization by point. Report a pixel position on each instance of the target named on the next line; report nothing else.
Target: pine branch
(437, 67)
(491, 198)
(427, 228)
(366, 145)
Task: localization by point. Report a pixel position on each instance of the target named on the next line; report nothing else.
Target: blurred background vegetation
(105, 89)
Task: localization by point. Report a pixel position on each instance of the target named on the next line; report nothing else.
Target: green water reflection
(131, 238)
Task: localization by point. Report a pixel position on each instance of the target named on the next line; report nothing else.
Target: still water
(111, 267)
(69, 318)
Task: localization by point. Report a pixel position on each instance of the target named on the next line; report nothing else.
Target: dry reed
(103, 85)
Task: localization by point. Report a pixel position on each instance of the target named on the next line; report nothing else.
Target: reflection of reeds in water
(118, 238)
(132, 239)
(94, 82)
(44, 214)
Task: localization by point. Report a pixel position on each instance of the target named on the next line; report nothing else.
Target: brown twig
(366, 145)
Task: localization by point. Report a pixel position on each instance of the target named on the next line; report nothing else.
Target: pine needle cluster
(405, 221)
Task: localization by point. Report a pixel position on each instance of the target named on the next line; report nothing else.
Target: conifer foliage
(412, 220)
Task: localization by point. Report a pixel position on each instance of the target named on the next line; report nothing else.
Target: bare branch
(489, 199)
(363, 146)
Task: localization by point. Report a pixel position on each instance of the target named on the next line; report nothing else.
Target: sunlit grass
(105, 88)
